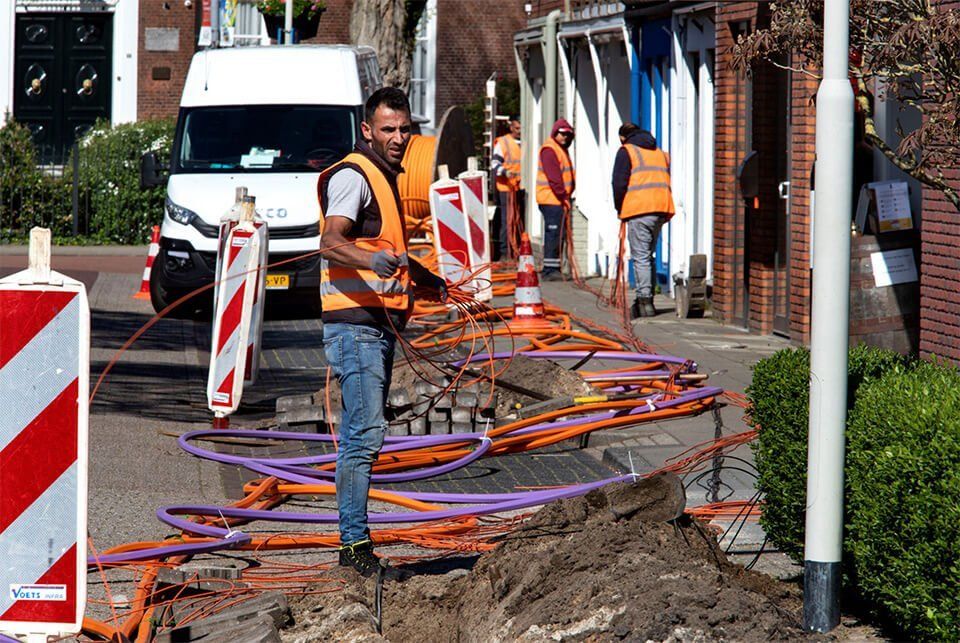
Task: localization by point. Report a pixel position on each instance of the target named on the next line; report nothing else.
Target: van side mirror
(151, 172)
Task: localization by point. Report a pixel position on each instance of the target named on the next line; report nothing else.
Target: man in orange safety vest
(641, 193)
(556, 181)
(505, 165)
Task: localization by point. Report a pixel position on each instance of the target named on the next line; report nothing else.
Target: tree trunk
(382, 24)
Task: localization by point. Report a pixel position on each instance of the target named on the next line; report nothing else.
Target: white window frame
(423, 70)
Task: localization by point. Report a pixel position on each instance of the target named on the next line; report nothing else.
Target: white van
(270, 119)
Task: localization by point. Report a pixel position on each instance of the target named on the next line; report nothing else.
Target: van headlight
(179, 213)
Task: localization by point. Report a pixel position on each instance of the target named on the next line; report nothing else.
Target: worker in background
(505, 166)
(366, 279)
(556, 182)
(641, 193)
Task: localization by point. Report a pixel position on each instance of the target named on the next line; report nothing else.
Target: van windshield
(265, 137)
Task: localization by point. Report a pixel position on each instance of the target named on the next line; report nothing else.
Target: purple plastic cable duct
(286, 469)
(530, 499)
(627, 356)
(474, 504)
(230, 541)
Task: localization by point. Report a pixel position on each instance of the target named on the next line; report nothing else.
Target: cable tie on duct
(230, 532)
(651, 405)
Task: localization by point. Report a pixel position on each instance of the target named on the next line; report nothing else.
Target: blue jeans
(362, 360)
(552, 222)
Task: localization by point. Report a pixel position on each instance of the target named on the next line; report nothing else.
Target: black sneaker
(635, 310)
(360, 557)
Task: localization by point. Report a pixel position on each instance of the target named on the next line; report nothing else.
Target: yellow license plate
(278, 282)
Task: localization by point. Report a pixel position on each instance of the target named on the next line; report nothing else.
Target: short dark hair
(627, 129)
(392, 97)
(515, 117)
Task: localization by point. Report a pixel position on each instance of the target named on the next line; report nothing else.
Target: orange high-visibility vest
(511, 164)
(545, 195)
(648, 191)
(342, 287)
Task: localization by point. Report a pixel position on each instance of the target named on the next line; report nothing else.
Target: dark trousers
(552, 224)
(501, 224)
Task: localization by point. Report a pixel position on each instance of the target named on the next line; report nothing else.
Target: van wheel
(162, 296)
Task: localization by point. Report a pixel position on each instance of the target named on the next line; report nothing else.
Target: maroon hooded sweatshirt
(551, 164)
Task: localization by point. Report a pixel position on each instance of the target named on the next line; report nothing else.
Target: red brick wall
(803, 150)
(158, 98)
(940, 267)
(335, 24)
(474, 39)
(729, 247)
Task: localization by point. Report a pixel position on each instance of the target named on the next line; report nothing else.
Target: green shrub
(119, 211)
(779, 406)
(27, 197)
(903, 480)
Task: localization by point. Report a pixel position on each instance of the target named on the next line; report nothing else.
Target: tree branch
(865, 100)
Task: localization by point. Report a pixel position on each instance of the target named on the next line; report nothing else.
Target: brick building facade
(940, 261)
(465, 57)
(762, 258)
(474, 40)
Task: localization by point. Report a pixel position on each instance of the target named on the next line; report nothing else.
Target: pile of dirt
(542, 376)
(598, 568)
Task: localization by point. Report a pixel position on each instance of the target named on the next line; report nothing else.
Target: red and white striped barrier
(450, 234)
(144, 292)
(473, 191)
(227, 222)
(44, 385)
(240, 272)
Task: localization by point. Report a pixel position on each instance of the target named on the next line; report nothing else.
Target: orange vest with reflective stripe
(648, 191)
(545, 195)
(342, 287)
(511, 164)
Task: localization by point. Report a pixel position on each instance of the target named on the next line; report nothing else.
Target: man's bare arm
(338, 248)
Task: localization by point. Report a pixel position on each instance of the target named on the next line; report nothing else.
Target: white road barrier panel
(450, 235)
(44, 388)
(239, 276)
(473, 193)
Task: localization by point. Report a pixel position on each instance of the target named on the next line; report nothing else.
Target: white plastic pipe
(829, 324)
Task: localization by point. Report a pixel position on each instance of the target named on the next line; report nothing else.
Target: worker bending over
(556, 182)
(365, 291)
(641, 193)
(505, 165)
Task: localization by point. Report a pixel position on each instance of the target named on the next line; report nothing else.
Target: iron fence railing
(76, 191)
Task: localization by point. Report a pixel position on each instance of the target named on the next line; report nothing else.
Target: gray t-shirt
(347, 194)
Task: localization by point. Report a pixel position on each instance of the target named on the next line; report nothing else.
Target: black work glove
(437, 283)
(384, 263)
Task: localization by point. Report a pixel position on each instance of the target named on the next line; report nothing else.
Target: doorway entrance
(62, 76)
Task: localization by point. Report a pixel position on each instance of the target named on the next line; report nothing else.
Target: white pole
(830, 317)
(288, 23)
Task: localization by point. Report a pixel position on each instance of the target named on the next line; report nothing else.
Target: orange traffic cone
(528, 301)
(144, 292)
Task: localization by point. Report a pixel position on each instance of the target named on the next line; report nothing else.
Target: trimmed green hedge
(120, 212)
(112, 207)
(779, 397)
(28, 197)
(903, 477)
